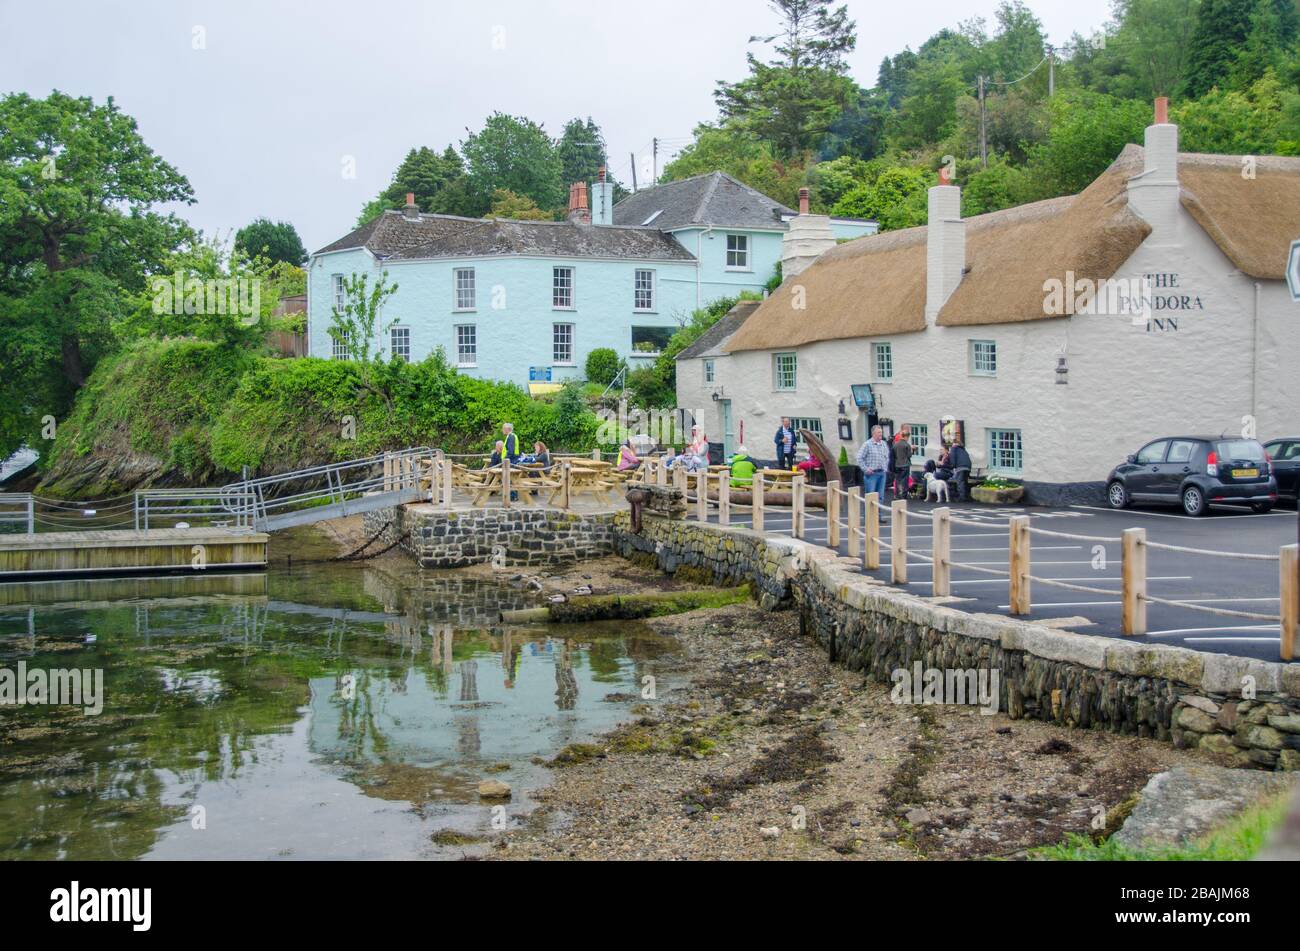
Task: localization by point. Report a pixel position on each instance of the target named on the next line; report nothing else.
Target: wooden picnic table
(777, 475)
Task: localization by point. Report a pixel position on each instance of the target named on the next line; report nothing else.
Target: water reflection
(322, 711)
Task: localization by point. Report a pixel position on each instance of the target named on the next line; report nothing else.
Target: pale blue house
(526, 301)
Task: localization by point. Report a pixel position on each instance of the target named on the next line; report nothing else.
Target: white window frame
(338, 291)
(737, 251)
(559, 333)
(339, 345)
(466, 332)
(559, 290)
(1006, 452)
(811, 423)
(464, 292)
(920, 439)
(710, 371)
(394, 347)
(777, 374)
(651, 289)
(882, 360)
(983, 358)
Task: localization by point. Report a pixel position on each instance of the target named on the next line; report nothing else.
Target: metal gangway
(264, 504)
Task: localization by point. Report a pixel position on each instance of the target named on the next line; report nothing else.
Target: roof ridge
(708, 195)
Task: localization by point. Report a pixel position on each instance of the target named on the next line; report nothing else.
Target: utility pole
(1051, 72)
(655, 163)
(632, 155)
(984, 139)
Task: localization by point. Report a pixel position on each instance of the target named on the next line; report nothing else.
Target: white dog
(936, 486)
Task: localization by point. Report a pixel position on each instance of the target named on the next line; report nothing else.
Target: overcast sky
(263, 105)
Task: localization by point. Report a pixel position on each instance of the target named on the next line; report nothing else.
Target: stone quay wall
(1239, 711)
(520, 537)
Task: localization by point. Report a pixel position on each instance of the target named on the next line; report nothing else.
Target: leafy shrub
(603, 365)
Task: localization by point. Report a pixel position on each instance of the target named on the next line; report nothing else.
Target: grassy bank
(184, 412)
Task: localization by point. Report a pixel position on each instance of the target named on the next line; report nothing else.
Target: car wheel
(1262, 508)
(1193, 501)
(1117, 495)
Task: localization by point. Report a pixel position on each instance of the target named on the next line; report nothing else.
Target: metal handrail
(24, 510)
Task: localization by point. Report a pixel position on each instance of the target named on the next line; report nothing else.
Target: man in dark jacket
(960, 464)
(785, 440)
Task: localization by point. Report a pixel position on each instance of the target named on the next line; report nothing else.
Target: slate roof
(710, 343)
(714, 199)
(394, 237)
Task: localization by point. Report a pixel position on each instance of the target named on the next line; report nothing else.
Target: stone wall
(524, 537)
(1241, 712)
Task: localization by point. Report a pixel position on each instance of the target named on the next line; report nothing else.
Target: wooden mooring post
(1134, 571)
(940, 552)
(757, 493)
(898, 541)
(448, 481)
(833, 515)
(1018, 566)
(566, 485)
(853, 511)
(505, 482)
(724, 497)
(796, 506)
(871, 544)
(702, 495)
(1290, 591)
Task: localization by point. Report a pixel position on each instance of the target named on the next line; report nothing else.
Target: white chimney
(807, 238)
(1155, 193)
(945, 247)
(602, 201)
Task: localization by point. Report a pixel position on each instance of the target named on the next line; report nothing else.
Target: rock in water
(493, 789)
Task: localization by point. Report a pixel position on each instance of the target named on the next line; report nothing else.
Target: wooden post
(1018, 565)
(796, 505)
(702, 495)
(595, 454)
(388, 472)
(833, 515)
(854, 512)
(898, 541)
(505, 482)
(566, 485)
(1134, 571)
(871, 546)
(679, 479)
(940, 552)
(1290, 591)
(661, 473)
(724, 497)
(757, 493)
(448, 481)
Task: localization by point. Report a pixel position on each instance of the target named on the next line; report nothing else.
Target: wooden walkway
(159, 550)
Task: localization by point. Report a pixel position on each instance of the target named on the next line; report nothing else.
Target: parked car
(1285, 453)
(1195, 472)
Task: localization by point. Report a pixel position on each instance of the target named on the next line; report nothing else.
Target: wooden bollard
(1018, 565)
(853, 511)
(796, 506)
(702, 495)
(898, 541)
(595, 454)
(871, 540)
(566, 485)
(757, 493)
(448, 481)
(661, 472)
(833, 515)
(505, 483)
(724, 497)
(1289, 561)
(1134, 571)
(940, 552)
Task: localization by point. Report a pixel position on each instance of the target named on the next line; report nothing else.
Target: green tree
(514, 153)
(78, 236)
(1263, 120)
(1088, 131)
(506, 204)
(795, 99)
(353, 328)
(1221, 29)
(603, 365)
(1153, 39)
(438, 182)
(896, 198)
(276, 241)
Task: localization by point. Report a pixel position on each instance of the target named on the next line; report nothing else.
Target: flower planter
(998, 496)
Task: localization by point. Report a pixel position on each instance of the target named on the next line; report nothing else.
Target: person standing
(511, 442)
(959, 462)
(902, 453)
(873, 460)
(785, 440)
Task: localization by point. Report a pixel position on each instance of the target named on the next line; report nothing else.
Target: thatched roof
(1252, 219)
(876, 286)
(865, 288)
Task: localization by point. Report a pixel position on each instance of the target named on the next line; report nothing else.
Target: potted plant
(997, 491)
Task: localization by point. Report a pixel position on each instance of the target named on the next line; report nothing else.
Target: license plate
(1245, 473)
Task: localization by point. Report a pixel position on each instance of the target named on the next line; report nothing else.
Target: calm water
(322, 712)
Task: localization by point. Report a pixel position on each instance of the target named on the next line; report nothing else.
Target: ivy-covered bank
(188, 412)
